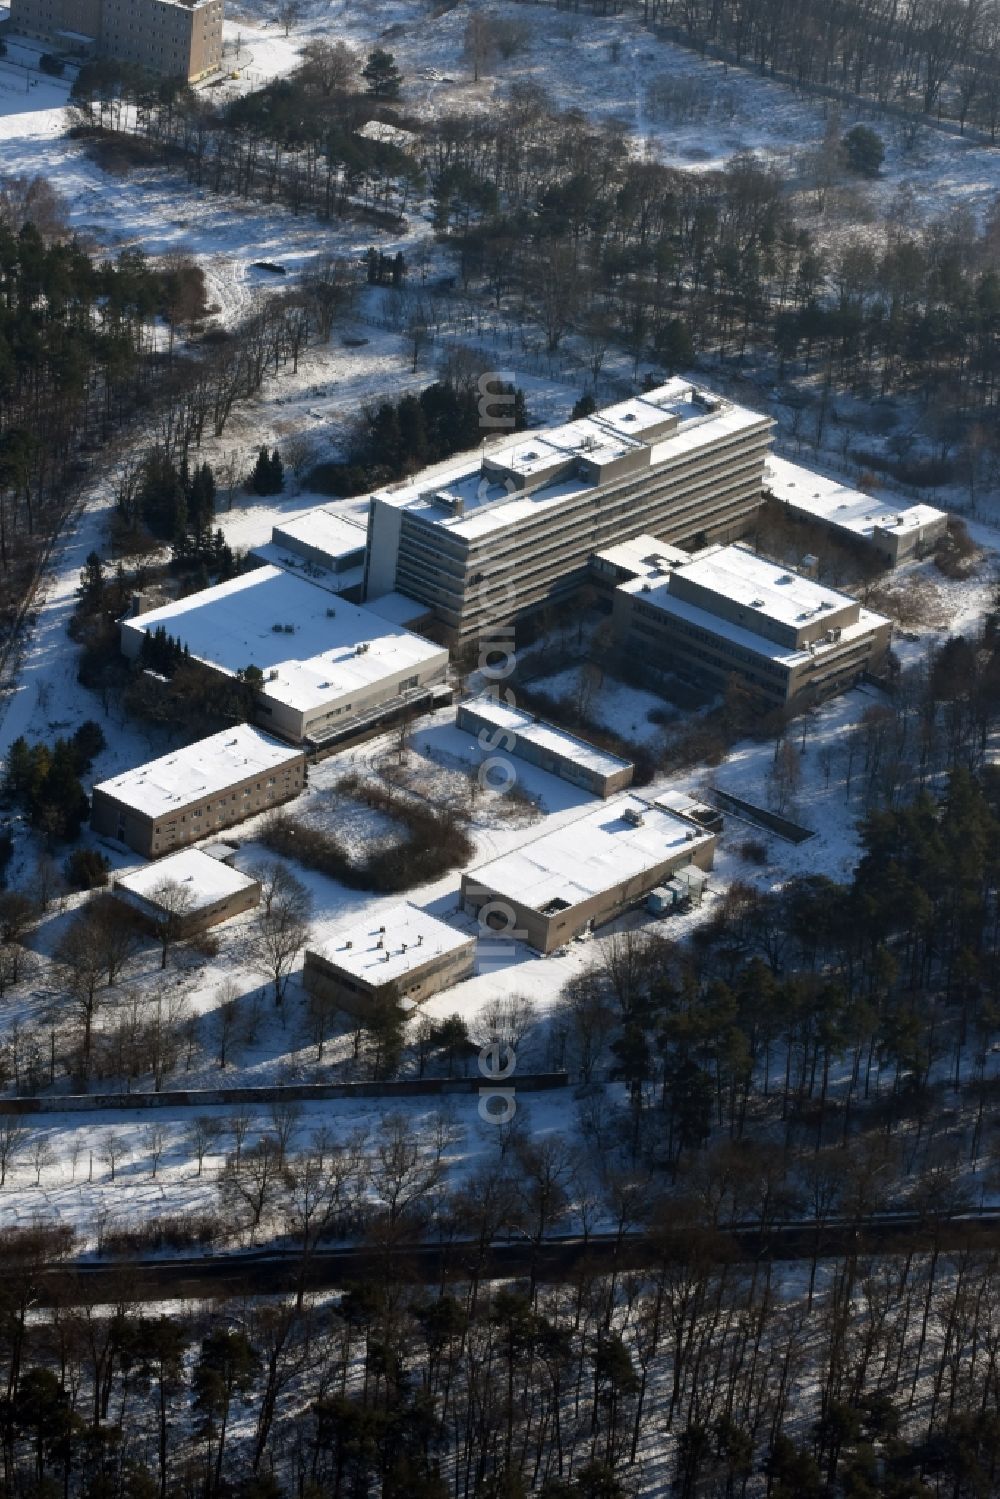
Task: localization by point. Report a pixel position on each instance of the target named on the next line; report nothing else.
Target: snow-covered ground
(609, 68)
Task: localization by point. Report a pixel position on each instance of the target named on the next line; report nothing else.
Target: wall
(322, 977)
(547, 932)
(197, 819)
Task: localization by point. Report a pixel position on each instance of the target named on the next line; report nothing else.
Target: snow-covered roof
(591, 855)
(644, 556)
(772, 592)
(397, 608)
(202, 880)
(544, 736)
(188, 775)
(744, 636)
(323, 530)
(311, 649)
(386, 947)
(849, 509)
(470, 497)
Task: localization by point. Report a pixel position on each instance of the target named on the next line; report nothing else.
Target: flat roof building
(322, 545)
(330, 668)
(189, 889)
(402, 956)
(501, 729)
(486, 537)
(585, 872)
(640, 557)
(195, 792)
(729, 613)
(174, 38)
(895, 533)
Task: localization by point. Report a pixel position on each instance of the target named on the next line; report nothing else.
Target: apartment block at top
(895, 533)
(505, 730)
(484, 538)
(195, 792)
(585, 872)
(402, 956)
(329, 668)
(728, 612)
(169, 37)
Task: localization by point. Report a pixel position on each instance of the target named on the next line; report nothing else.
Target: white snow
(203, 879)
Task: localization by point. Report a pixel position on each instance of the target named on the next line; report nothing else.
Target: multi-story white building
(487, 537)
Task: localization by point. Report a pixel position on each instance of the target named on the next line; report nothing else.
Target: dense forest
(553, 220)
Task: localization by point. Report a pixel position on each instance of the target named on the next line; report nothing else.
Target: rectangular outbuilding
(502, 729)
(894, 533)
(402, 956)
(585, 872)
(197, 791)
(190, 890)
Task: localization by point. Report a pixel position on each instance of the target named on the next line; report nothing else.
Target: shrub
(47, 63)
(864, 151)
(86, 869)
(753, 850)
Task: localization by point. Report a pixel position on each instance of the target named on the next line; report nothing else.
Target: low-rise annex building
(195, 792)
(501, 730)
(400, 957)
(322, 545)
(190, 890)
(727, 612)
(586, 872)
(329, 668)
(895, 533)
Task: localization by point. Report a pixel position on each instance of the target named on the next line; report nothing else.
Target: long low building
(585, 872)
(190, 890)
(502, 729)
(197, 791)
(401, 957)
(329, 668)
(894, 533)
(727, 612)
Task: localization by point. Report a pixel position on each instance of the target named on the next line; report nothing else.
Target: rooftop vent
(272, 675)
(331, 614)
(633, 816)
(756, 603)
(359, 650)
(420, 939)
(348, 945)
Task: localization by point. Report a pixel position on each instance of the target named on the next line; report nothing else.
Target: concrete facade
(727, 612)
(586, 872)
(195, 792)
(167, 37)
(498, 727)
(190, 890)
(401, 958)
(485, 538)
(893, 533)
